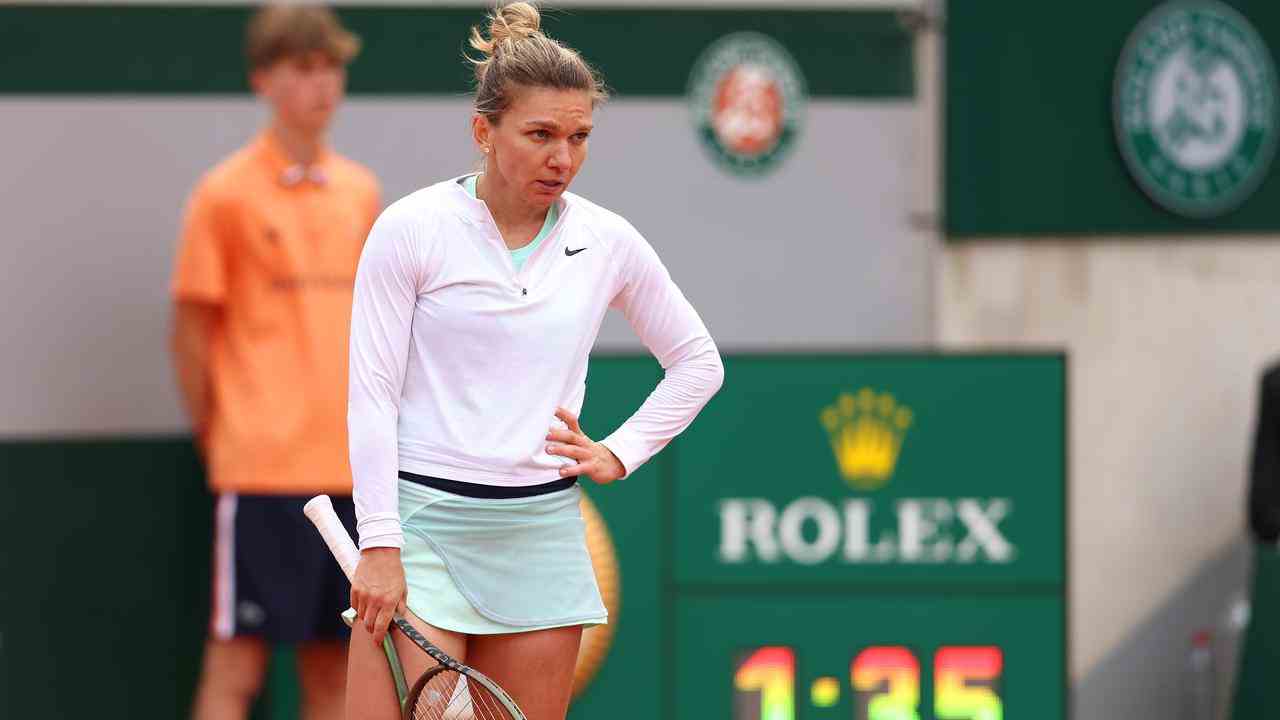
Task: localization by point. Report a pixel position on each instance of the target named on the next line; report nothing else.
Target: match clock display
(881, 658)
(884, 683)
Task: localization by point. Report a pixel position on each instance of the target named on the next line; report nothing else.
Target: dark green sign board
(909, 470)
(877, 537)
(1130, 117)
(182, 48)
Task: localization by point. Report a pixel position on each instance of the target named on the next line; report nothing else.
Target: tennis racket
(449, 691)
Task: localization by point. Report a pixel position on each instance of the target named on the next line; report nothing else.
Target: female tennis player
(477, 300)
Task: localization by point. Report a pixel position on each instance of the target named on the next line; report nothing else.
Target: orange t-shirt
(275, 247)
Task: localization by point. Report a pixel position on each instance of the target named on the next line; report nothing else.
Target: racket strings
(449, 696)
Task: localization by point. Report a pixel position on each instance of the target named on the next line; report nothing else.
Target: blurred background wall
(99, 159)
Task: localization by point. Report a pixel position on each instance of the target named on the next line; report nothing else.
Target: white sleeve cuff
(380, 530)
(631, 456)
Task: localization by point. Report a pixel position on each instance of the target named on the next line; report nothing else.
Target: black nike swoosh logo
(571, 253)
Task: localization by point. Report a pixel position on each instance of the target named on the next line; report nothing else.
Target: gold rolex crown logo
(866, 431)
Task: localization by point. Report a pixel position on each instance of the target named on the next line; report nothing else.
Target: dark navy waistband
(490, 492)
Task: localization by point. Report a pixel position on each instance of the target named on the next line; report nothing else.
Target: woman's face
(538, 145)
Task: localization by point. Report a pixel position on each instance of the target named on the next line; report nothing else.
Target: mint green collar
(521, 254)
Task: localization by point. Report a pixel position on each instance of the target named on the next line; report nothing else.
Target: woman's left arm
(671, 329)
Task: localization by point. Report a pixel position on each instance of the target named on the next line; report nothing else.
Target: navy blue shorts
(273, 577)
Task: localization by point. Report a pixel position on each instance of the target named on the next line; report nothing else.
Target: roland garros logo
(1195, 107)
(748, 98)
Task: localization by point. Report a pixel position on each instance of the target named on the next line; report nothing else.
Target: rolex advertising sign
(873, 536)
(866, 432)
(885, 468)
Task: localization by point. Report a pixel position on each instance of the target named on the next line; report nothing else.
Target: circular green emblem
(1195, 107)
(748, 99)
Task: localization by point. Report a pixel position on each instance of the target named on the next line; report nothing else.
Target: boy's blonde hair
(277, 32)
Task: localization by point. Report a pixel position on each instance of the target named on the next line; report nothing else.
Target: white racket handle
(319, 510)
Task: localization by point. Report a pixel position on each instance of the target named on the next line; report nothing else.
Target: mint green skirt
(482, 566)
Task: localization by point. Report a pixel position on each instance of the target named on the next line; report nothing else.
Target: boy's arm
(193, 324)
(199, 289)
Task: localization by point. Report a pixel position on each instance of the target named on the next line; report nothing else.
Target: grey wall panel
(817, 253)
(91, 193)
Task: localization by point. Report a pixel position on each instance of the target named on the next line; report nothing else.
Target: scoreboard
(865, 537)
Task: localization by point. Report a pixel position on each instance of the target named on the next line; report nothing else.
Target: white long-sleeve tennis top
(458, 362)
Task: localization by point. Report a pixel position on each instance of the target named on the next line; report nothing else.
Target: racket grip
(319, 510)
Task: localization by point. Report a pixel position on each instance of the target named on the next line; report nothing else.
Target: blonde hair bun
(518, 55)
(512, 22)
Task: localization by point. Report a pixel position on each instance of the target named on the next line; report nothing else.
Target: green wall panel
(615, 387)
(1256, 693)
(106, 577)
(118, 579)
(418, 50)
